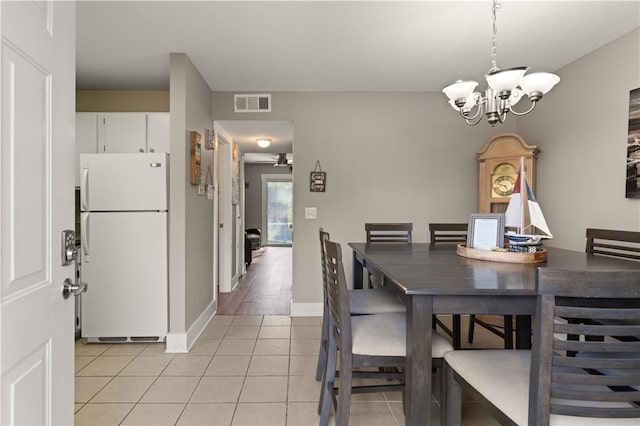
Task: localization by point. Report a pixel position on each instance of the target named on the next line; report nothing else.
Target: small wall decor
(209, 184)
(208, 135)
(196, 158)
(318, 181)
(633, 146)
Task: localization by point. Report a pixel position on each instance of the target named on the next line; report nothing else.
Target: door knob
(68, 288)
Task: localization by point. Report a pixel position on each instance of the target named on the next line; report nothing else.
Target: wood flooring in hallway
(266, 287)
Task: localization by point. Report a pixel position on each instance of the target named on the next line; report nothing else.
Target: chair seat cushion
(374, 301)
(502, 377)
(385, 335)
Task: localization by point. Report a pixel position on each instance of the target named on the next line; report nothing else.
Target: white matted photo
(486, 231)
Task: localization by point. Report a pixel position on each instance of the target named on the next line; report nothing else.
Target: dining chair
(361, 302)
(362, 342)
(449, 233)
(545, 385)
(611, 243)
(384, 233)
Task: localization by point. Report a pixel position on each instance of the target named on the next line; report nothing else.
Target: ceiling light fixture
(506, 87)
(263, 142)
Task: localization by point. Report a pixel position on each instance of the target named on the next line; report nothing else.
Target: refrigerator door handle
(84, 233)
(84, 189)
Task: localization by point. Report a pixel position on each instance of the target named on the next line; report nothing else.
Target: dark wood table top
(421, 268)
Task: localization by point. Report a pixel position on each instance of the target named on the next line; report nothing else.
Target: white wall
(581, 129)
(191, 216)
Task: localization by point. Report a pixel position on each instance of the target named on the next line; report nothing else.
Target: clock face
(503, 180)
(503, 185)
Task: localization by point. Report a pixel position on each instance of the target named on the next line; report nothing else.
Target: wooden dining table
(433, 279)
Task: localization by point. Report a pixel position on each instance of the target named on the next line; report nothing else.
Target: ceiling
(270, 46)
(245, 133)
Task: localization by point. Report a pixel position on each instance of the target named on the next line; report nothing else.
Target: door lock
(68, 288)
(68, 247)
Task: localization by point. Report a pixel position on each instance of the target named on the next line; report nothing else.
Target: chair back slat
(448, 232)
(608, 242)
(388, 232)
(338, 295)
(324, 236)
(597, 378)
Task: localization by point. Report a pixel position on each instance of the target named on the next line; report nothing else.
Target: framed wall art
(196, 158)
(632, 189)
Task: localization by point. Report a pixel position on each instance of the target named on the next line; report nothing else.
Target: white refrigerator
(124, 243)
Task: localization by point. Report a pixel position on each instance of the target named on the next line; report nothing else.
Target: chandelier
(505, 88)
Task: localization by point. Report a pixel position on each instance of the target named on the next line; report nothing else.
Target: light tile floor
(244, 370)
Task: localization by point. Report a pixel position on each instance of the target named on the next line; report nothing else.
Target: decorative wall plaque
(318, 179)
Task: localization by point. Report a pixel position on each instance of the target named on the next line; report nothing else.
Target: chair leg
(322, 352)
(453, 392)
(472, 325)
(508, 332)
(456, 331)
(328, 379)
(344, 391)
(442, 378)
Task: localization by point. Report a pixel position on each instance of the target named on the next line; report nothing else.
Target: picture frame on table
(486, 231)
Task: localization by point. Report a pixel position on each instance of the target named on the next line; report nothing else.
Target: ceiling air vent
(252, 103)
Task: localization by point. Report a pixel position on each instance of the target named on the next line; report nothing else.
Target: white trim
(306, 309)
(177, 343)
(182, 342)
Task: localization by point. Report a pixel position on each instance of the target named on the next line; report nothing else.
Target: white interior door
(37, 98)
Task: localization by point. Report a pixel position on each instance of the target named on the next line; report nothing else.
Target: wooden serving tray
(502, 256)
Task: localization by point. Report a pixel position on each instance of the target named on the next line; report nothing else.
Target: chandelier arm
(476, 115)
(533, 105)
(472, 123)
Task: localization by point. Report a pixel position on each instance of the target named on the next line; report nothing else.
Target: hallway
(266, 287)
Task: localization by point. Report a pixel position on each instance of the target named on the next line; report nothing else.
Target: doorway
(277, 206)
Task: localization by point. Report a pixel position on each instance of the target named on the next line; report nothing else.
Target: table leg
(418, 361)
(523, 331)
(357, 271)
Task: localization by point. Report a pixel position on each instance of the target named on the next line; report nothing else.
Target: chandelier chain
(496, 6)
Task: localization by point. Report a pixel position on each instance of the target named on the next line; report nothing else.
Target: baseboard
(177, 343)
(306, 309)
(182, 342)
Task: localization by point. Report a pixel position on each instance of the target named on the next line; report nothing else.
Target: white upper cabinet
(158, 132)
(86, 138)
(122, 132)
(131, 132)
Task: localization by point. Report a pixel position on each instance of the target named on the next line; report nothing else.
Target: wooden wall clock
(498, 164)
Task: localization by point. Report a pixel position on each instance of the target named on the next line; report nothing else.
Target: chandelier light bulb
(538, 82)
(504, 81)
(460, 90)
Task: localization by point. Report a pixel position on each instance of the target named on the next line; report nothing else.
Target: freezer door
(124, 182)
(125, 266)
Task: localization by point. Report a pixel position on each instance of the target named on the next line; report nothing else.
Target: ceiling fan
(281, 160)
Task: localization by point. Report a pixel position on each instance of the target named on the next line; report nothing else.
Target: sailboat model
(522, 205)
